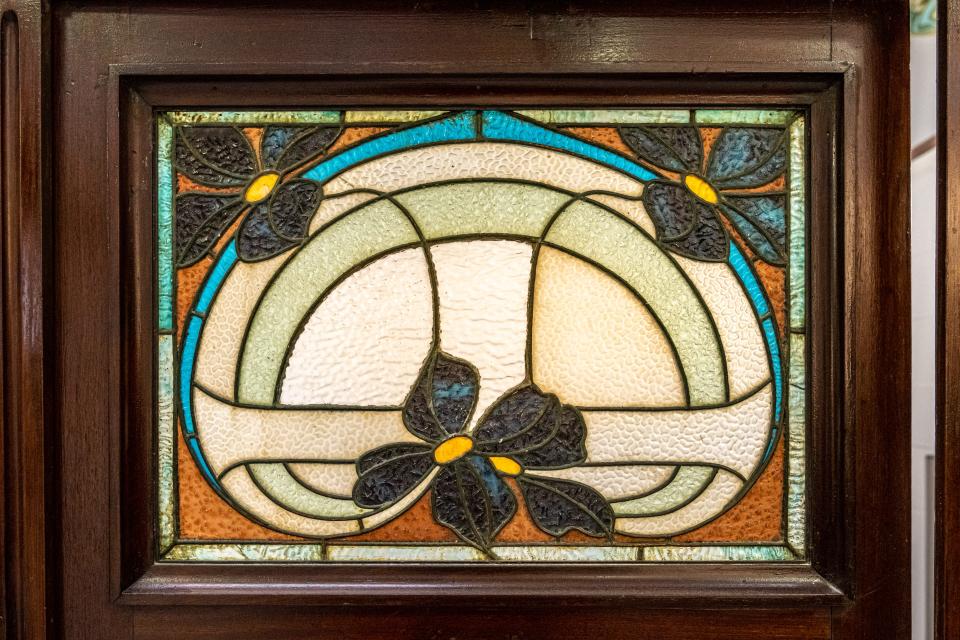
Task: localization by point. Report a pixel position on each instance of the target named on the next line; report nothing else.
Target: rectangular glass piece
(607, 116)
(743, 116)
(718, 554)
(796, 226)
(368, 117)
(446, 336)
(254, 118)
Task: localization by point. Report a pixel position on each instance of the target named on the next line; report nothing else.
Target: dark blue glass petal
(746, 156)
(200, 220)
(685, 224)
(216, 156)
(443, 398)
(292, 206)
(471, 500)
(257, 238)
(762, 228)
(673, 148)
(559, 506)
(391, 472)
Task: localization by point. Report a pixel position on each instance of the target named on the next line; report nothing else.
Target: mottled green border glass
(172, 549)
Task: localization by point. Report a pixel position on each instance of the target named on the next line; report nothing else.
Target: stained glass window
(457, 336)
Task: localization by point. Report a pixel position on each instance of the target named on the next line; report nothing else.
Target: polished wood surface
(947, 554)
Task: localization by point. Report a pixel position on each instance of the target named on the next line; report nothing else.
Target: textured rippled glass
(507, 266)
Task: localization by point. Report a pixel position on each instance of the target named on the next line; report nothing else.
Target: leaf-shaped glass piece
(390, 472)
(534, 428)
(284, 147)
(745, 157)
(215, 156)
(256, 239)
(200, 220)
(674, 148)
(291, 207)
(470, 499)
(762, 222)
(558, 506)
(442, 399)
(307, 146)
(685, 224)
(566, 447)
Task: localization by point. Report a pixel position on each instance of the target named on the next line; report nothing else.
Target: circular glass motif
(485, 325)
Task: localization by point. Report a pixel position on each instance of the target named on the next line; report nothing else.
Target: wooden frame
(947, 559)
(148, 583)
(88, 290)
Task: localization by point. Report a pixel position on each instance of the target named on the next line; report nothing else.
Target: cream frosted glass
(712, 501)
(594, 342)
(483, 160)
(367, 340)
(483, 287)
(746, 354)
(332, 478)
(378, 227)
(227, 322)
(616, 482)
(231, 435)
(624, 249)
(734, 436)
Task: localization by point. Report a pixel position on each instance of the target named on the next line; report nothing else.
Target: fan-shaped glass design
(481, 335)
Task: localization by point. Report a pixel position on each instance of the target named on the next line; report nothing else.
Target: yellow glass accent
(453, 449)
(701, 188)
(508, 466)
(261, 187)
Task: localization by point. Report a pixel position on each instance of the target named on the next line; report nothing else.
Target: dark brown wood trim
(668, 585)
(947, 558)
(715, 585)
(875, 191)
(235, 54)
(23, 197)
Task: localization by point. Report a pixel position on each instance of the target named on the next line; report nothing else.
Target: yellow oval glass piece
(261, 187)
(509, 466)
(453, 449)
(701, 188)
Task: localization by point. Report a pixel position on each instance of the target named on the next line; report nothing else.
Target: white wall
(923, 279)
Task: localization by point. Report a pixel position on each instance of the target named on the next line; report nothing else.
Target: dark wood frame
(947, 558)
(77, 313)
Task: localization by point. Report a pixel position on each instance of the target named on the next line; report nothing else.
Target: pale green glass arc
(626, 250)
(352, 239)
(583, 227)
(280, 486)
(743, 116)
(689, 481)
(607, 116)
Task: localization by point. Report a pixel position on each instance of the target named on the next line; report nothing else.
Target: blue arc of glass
(459, 127)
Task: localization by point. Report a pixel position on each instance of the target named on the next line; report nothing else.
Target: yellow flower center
(261, 187)
(453, 449)
(701, 188)
(507, 466)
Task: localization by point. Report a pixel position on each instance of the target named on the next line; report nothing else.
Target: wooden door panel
(111, 68)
